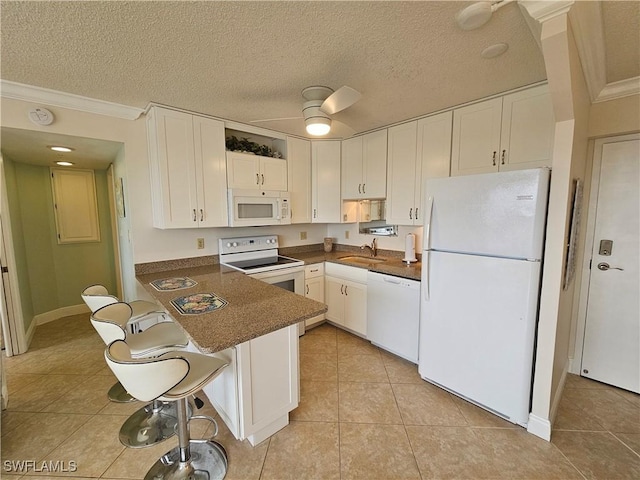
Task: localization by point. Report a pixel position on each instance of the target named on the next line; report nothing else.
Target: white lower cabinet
(314, 288)
(346, 297)
(261, 385)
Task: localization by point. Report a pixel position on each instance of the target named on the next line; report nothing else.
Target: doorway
(611, 338)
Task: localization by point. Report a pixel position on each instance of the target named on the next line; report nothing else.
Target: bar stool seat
(174, 376)
(155, 422)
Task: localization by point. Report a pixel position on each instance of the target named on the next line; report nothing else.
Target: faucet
(373, 247)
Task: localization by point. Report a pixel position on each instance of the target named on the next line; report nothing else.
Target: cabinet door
(476, 138)
(334, 298)
(210, 172)
(243, 171)
(325, 181)
(172, 165)
(352, 168)
(314, 289)
(528, 127)
(401, 169)
(355, 307)
(434, 155)
(273, 174)
(374, 165)
(299, 179)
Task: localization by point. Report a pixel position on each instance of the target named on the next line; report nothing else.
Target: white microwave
(253, 208)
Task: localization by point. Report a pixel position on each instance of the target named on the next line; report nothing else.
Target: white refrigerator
(481, 269)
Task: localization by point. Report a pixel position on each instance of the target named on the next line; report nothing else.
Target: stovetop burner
(254, 254)
(254, 264)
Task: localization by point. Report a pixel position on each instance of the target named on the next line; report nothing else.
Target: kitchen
(179, 244)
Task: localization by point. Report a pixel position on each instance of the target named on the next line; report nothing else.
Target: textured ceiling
(247, 61)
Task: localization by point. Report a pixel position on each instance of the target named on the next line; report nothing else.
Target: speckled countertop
(254, 308)
(393, 264)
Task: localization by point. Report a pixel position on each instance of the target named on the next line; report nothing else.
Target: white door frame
(115, 234)
(581, 321)
(12, 318)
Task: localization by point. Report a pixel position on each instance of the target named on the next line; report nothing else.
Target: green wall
(50, 275)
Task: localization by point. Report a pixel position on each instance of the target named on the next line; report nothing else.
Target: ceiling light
(493, 51)
(477, 14)
(65, 164)
(318, 126)
(58, 148)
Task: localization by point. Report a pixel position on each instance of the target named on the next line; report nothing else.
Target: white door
(612, 331)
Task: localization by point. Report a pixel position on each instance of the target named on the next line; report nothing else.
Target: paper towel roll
(410, 248)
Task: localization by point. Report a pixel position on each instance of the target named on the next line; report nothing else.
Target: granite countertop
(393, 264)
(254, 308)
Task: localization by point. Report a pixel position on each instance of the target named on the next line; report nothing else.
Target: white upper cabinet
(254, 172)
(325, 181)
(188, 170)
(299, 179)
(364, 166)
(417, 150)
(506, 133)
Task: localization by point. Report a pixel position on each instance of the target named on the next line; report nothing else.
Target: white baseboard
(555, 403)
(30, 332)
(52, 315)
(540, 427)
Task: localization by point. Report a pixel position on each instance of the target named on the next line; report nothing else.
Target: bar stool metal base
(150, 425)
(118, 394)
(208, 461)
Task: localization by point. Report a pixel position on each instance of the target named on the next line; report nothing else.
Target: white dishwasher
(393, 314)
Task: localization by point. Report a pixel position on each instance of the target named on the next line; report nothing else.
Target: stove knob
(235, 244)
(228, 244)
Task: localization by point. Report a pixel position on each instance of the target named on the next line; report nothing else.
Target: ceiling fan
(320, 103)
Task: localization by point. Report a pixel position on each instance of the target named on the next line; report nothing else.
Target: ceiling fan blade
(275, 119)
(342, 129)
(342, 98)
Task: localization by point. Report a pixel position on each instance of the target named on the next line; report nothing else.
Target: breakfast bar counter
(253, 308)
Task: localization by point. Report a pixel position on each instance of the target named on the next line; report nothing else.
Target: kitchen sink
(360, 259)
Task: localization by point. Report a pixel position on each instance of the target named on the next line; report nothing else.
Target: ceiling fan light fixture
(318, 126)
(477, 14)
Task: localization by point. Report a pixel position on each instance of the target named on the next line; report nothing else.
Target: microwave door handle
(278, 213)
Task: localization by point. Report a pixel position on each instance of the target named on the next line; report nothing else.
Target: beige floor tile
(400, 370)
(16, 381)
(117, 408)
(11, 420)
(361, 368)
(34, 361)
(426, 405)
(93, 447)
(367, 403)
(631, 440)
(39, 394)
(629, 396)
(319, 367)
(40, 434)
(308, 450)
(134, 463)
(479, 417)
(349, 344)
(597, 407)
(323, 329)
(318, 402)
(88, 397)
(383, 449)
(72, 362)
(577, 381)
(598, 455)
(320, 343)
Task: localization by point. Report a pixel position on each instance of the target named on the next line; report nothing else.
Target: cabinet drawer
(354, 274)
(314, 270)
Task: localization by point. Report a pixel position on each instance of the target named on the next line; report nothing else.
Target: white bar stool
(156, 421)
(174, 376)
(96, 297)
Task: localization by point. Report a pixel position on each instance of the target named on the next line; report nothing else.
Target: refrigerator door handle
(427, 223)
(425, 275)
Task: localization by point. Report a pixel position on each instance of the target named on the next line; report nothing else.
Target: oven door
(291, 279)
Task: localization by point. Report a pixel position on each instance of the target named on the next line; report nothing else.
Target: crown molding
(546, 10)
(623, 88)
(30, 93)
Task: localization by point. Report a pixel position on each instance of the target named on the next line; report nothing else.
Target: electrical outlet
(303, 235)
(200, 243)
(346, 234)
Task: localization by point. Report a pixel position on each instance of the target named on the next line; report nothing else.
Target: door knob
(605, 266)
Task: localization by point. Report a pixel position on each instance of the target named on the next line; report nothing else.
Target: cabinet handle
(503, 152)
(410, 214)
(314, 213)
(345, 290)
(341, 289)
(262, 178)
(314, 270)
(195, 219)
(494, 158)
(363, 189)
(359, 188)
(201, 215)
(257, 179)
(307, 289)
(416, 213)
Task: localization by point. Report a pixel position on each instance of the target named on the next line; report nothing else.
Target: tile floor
(363, 414)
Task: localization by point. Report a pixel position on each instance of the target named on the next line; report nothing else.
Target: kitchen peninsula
(256, 332)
